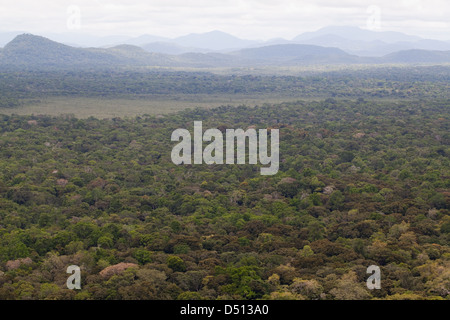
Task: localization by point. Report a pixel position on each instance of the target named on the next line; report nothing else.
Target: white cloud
(249, 19)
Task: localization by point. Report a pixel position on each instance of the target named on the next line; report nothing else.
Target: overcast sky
(251, 19)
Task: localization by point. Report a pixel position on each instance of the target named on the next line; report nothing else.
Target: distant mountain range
(368, 43)
(352, 40)
(36, 52)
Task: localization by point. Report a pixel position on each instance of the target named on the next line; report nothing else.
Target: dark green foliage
(421, 82)
(176, 264)
(360, 183)
(142, 256)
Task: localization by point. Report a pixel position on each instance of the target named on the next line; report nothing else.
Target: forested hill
(29, 51)
(35, 52)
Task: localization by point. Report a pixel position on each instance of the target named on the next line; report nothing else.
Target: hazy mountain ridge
(296, 53)
(214, 40)
(354, 33)
(352, 40)
(170, 48)
(30, 51)
(418, 56)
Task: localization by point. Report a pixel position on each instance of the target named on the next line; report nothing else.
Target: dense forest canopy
(360, 183)
(383, 82)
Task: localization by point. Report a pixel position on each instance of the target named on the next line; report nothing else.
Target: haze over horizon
(255, 19)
